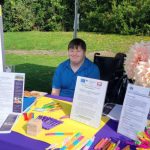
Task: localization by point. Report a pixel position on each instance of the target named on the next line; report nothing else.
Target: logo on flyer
(82, 80)
(99, 83)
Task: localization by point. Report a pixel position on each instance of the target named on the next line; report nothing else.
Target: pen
(70, 141)
(107, 144)
(99, 143)
(82, 145)
(75, 142)
(89, 143)
(117, 145)
(111, 147)
(59, 133)
(103, 143)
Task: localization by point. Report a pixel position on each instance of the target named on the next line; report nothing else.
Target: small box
(34, 127)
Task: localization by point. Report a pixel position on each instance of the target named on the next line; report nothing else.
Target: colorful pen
(59, 133)
(98, 144)
(102, 144)
(89, 143)
(71, 141)
(75, 142)
(106, 145)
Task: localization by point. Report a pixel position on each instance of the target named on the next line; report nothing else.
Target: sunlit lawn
(39, 69)
(58, 41)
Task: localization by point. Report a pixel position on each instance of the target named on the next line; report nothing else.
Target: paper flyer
(88, 101)
(135, 111)
(11, 95)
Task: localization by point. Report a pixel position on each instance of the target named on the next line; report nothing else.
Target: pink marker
(103, 143)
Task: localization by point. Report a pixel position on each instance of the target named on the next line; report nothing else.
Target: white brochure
(11, 99)
(135, 111)
(88, 101)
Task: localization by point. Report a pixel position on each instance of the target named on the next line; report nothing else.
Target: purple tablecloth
(16, 141)
(68, 99)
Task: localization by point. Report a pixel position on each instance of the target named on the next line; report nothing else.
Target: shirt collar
(83, 66)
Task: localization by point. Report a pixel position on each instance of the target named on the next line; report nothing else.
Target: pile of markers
(143, 141)
(53, 106)
(108, 144)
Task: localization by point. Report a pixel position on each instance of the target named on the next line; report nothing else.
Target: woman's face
(76, 55)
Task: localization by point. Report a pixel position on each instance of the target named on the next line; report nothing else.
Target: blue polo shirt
(65, 79)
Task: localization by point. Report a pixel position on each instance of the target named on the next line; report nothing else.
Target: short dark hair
(75, 43)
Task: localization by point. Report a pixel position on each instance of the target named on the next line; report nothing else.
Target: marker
(89, 143)
(59, 133)
(111, 147)
(103, 143)
(66, 140)
(117, 145)
(99, 143)
(83, 144)
(105, 147)
(70, 141)
(75, 142)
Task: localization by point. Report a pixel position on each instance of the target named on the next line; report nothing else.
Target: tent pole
(76, 19)
(2, 64)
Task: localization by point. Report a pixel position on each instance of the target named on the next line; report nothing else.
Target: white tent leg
(2, 64)
(76, 19)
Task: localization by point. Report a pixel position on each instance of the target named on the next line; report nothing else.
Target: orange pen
(103, 144)
(96, 147)
(106, 145)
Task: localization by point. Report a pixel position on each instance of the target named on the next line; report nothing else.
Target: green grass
(58, 41)
(39, 69)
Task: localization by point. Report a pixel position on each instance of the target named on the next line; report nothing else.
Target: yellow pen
(112, 146)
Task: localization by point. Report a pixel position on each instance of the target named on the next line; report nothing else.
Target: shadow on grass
(37, 77)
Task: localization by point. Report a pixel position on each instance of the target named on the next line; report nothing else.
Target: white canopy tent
(2, 54)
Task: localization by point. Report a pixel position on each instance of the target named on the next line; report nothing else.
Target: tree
(17, 16)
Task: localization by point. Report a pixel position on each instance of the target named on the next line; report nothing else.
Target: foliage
(105, 16)
(48, 14)
(17, 17)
